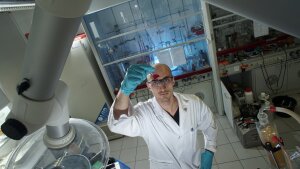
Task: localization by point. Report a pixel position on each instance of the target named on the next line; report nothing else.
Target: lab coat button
(185, 109)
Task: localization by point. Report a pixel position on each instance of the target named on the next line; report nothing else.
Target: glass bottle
(267, 132)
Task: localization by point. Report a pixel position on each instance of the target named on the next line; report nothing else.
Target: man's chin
(164, 97)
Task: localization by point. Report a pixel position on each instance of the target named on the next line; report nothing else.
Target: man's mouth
(163, 93)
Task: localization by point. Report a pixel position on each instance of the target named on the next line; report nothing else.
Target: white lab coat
(170, 146)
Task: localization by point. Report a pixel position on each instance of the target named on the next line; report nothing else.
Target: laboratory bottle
(267, 131)
(248, 96)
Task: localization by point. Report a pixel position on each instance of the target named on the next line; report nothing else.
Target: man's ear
(149, 87)
(173, 81)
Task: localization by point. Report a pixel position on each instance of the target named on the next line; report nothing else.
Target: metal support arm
(55, 24)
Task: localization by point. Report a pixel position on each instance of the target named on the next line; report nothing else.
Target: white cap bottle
(248, 95)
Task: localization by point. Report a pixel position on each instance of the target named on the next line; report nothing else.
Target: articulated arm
(40, 98)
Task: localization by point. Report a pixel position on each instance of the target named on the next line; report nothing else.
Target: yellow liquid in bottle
(266, 135)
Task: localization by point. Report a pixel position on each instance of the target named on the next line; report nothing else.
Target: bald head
(162, 87)
(161, 71)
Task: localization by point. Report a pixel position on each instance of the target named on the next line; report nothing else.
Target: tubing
(289, 112)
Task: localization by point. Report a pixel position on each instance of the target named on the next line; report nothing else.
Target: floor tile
(292, 123)
(217, 115)
(128, 155)
(244, 153)
(130, 142)
(267, 160)
(282, 127)
(115, 154)
(215, 167)
(261, 150)
(231, 165)
(225, 153)
(253, 163)
(131, 165)
(291, 139)
(116, 145)
(224, 122)
(214, 161)
(142, 153)
(143, 164)
(141, 142)
(231, 135)
(222, 138)
(219, 124)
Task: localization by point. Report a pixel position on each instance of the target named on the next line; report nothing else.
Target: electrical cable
(263, 68)
(267, 77)
(267, 83)
(281, 71)
(285, 66)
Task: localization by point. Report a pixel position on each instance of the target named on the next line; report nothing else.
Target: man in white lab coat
(168, 122)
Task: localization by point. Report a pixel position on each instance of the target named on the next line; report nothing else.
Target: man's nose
(162, 85)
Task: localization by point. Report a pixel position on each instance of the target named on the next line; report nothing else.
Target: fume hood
(148, 32)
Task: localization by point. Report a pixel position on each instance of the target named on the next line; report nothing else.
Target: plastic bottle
(248, 96)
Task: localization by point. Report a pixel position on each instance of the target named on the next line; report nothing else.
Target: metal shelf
(222, 17)
(146, 53)
(252, 45)
(147, 27)
(256, 62)
(240, 19)
(229, 23)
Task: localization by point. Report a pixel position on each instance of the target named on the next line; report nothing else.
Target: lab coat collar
(184, 107)
(159, 111)
(182, 103)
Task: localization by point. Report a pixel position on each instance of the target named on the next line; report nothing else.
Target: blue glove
(134, 76)
(206, 159)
